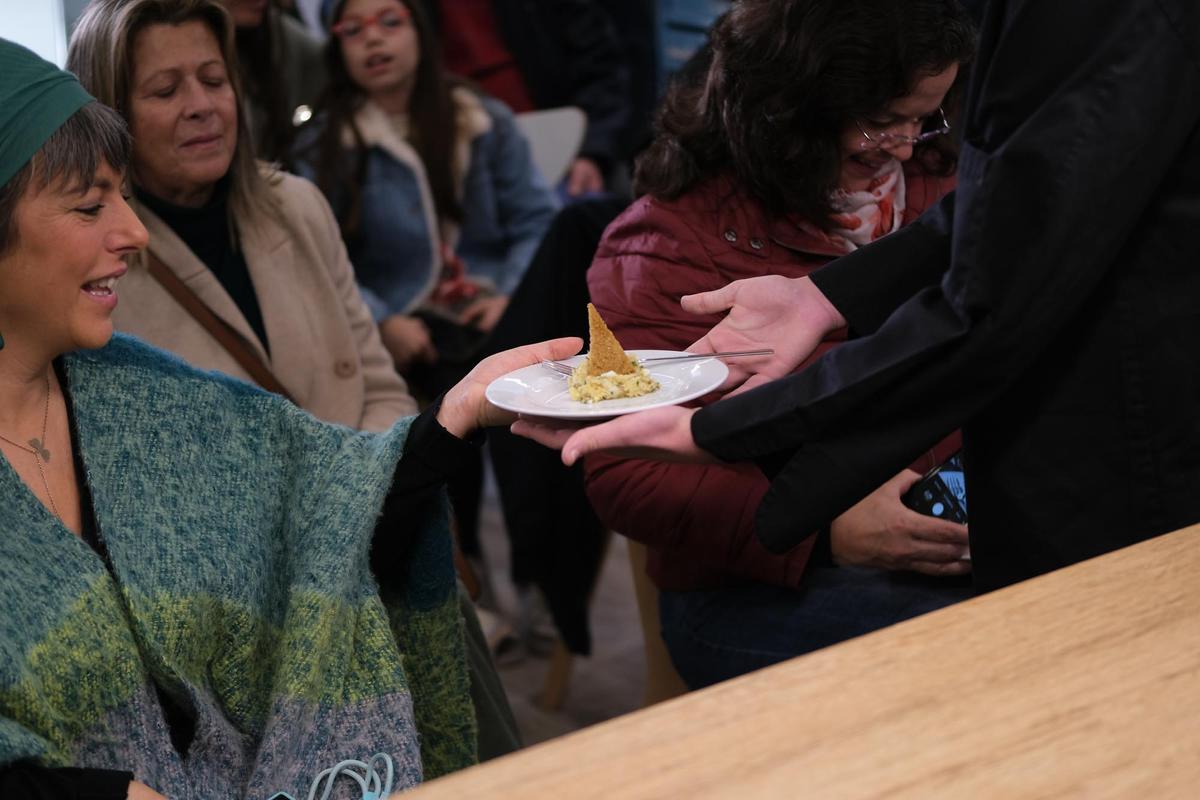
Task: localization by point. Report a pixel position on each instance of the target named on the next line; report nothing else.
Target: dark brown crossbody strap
(226, 336)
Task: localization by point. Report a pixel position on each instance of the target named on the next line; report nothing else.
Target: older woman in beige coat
(260, 248)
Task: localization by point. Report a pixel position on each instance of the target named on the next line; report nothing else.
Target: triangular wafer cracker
(605, 353)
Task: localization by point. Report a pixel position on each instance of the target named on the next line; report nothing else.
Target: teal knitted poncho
(239, 530)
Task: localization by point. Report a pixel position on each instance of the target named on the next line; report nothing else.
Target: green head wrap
(36, 98)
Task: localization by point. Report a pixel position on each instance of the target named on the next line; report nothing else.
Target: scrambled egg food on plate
(608, 373)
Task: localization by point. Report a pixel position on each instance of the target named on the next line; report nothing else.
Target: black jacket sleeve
(920, 253)
(431, 455)
(27, 781)
(1076, 114)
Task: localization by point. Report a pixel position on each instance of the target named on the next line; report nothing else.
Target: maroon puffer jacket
(698, 520)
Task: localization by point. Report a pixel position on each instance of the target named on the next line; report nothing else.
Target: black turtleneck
(207, 233)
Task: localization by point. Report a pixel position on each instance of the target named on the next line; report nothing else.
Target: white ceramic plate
(540, 391)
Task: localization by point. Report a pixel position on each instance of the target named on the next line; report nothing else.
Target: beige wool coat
(324, 346)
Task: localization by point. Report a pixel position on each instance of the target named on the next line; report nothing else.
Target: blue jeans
(714, 635)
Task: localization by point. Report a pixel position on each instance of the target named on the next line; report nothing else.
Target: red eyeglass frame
(338, 29)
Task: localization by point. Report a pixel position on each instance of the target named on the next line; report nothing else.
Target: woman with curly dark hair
(807, 128)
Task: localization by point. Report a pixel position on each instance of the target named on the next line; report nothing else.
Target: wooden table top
(1081, 683)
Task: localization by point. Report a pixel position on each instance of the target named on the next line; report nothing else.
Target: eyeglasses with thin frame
(882, 140)
(389, 20)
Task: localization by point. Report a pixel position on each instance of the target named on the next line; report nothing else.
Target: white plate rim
(598, 412)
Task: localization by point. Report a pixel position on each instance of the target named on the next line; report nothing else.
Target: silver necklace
(37, 448)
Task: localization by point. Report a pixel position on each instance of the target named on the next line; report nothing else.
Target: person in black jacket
(282, 71)
(1051, 309)
(566, 52)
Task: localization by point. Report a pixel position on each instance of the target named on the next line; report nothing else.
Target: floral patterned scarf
(864, 216)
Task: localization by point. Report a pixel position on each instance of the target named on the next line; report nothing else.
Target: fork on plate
(559, 367)
(567, 369)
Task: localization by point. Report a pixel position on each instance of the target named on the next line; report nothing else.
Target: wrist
(455, 414)
(826, 310)
(838, 552)
(835, 552)
(684, 427)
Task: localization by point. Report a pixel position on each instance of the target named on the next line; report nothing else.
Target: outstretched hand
(465, 407)
(788, 315)
(664, 434)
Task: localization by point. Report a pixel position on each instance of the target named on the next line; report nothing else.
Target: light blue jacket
(506, 205)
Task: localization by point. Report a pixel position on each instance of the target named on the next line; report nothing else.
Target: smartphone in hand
(941, 493)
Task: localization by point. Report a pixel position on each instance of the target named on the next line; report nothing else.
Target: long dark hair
(433, 127)
(779, 81)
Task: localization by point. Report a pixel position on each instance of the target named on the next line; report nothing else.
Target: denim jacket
(397, 251)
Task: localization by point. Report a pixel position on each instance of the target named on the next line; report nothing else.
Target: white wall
(37, 24)
(71, 11)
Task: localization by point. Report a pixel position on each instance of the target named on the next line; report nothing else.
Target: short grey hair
(91, 137)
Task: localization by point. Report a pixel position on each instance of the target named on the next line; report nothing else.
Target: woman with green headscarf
(187, 562)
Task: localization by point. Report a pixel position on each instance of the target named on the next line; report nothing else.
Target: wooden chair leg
(662, 681)
(558, 678)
